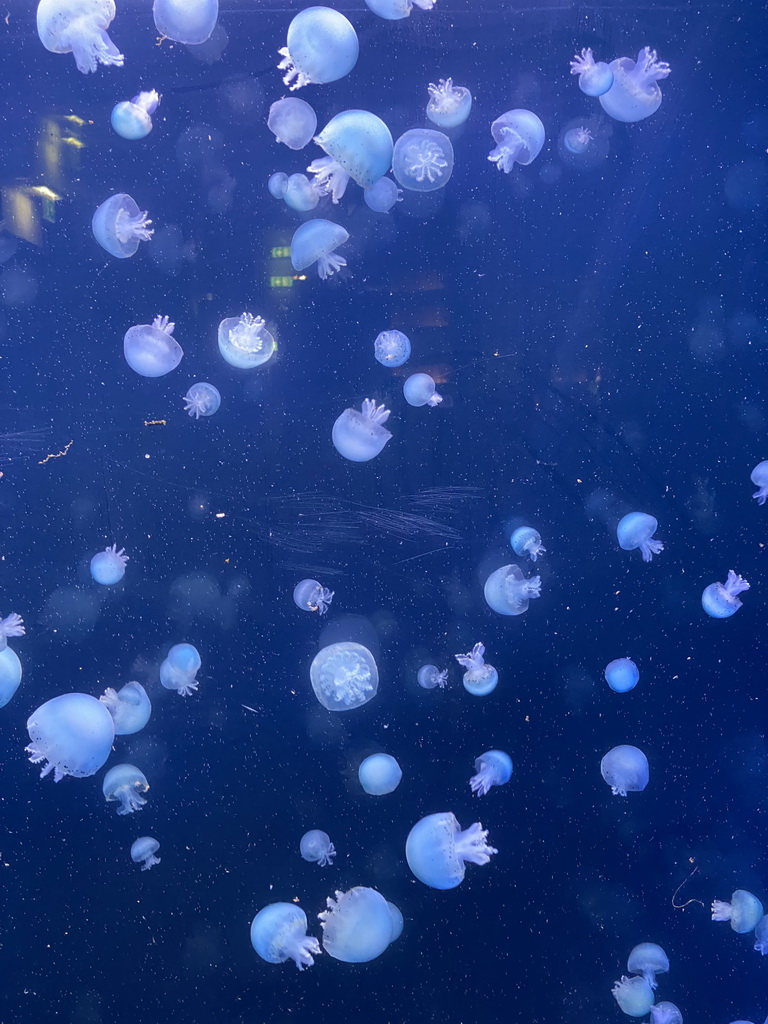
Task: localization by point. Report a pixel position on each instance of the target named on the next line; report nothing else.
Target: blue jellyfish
(379, 774)
(150, 349)
(317, 848)
(422, 160)
(397, 921)
(279, 933)
(292, 121)
(648, 959)
(392, 348)
(744, 911)
(759, 477)
(636, 530)
(202, 399)
(132, 118)
(108, 566)
(277, 184)
(438, 851)
(394, 10)
(494, 768)
(119, 225)
(595, 77)
(10, 675)
(449, 105)
(70, 735)
(245, 342)
(519, 136)
(301, 194)
(430, 676)
(479, 679)
(508, 592)
(125, 783)
(625, 769)
(761, 935)
(143, 852)
(720, 600)
(179, 669)
(383, 196)
(666, 1013)
(310, 596)
(186, 21)
(79, 27)
(634, 996)
(635, 93)
(344, 676)
(357, 926)
(359, 146)
(419, 389)
(622, 674)
(526, 541)
(321, 47)
(315, 241)
(361, 436)
(577, 140)
(129, 706)
(11, 625)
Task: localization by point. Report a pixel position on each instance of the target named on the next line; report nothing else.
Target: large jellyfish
(622, 674)
(666, 1013)
(118, 226)
(11, 625)
(508, 592)
(394, 10)
(634, 996)
(179, 669)
(79, 27)
(321, 47)
(449, 105)
(151, 349)
(419, 389)
(186, 21)
(430, 676)
(10, 675)
(316, 241)
(108, 566)
(126, 784)
(359, 146)
(292, 121)
(132, 118)
(202, 399)
(759, 477)
(519, 136)
(634, 93)
(392, 348)
(357, 926)
(317, 848)
(625, 769)
(344, 676)
(245, 342)
(479, 679)
(361, 436)
(383, 196)
(311, 596)
(143, 852)
(494, 768)
(636, 530)
(526, 541)
(595, 77)
(720, 600)
(422, 160)
(279, 933)
(744, 911)
(70, 735)
(379, 774)
(648, 959)
(129, 706)
(438, 851)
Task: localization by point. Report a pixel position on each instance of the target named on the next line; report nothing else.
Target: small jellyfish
(317, 848)
(526, 541)
(720, 600)
(394, 10)
(519, 136)
(10, 675)
(79, 27)
(310, 596)
(761, 935)
(344, 676)
(118, 226)
(129, 706)
(508, 592)
(132, 118)
(11, 625)
(279, 933)
(625, 769)
(245, 342)
(634, 996)
(359, 146)
(292, 121)
(383, 196)
(449, 105)
(361, 436)
(577, 140)
(744, 911)
(648, 959)
(125, 783)
(419, 389)
(397, 921)
(315, 241)
(143, 852)
(666, 1013)
(622, 674)
(494, 768)
(357, 926)
(422, 160)
(438, 851)
(634, 93)
(595, 77)
(479, 679)
(150, 349)
(301, 194)
(379, 774)
(186, 21)
(321, 47)
(108, 566)
(392, 348)
(180, 668)
(759, 477)
(70, 735)
(202, 400)
(277, 184)
(430, 676)
(636, 530)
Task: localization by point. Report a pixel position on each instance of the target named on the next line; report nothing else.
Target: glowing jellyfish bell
(422, 160)
(519, 135)
(132, 118)
(119, 225)
(344, 676)
(79, 27)
(316, 241)
(321, 47)
(70, 735)
(361, 436)
(186, 21)
(245, 342)
(150, 349)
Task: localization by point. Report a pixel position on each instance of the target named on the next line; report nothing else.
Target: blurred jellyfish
(310, 596)
(394, 10)
(438, 851)
(393, 348)
(108, 566)
(422, 160)
(526, 541)
(169, 251)
(636, 530)
(720, 600)
(595, 78)
(622, 674)
(634, 93)
(430, 676)
(79, 27)
(70, 735)
(397, 921)
(129, 706)
(150, 349)
(357, 926)
(383, 196)
(132, 118)
(666, 1013)
(321, 47)
(625, 769)
(119, 225)
(279, 933)
(379, 774)
(202, 399)
(634, 996)
(277, 184)
(648, 959)
(361, 436)
(583, 144)
(245, 342)
(292, 121)
(761, 935)
(10, 675)
(759, 477)
(359, 146)
(315, 241)
(180, 668)
(508, 592)
(11, 625)
(143, 852)
(479, 679)
(125, 784)
(577, 140)
(186, 21)
(493, 768)
(419, 389)
(212, 49)
(317, 848)
(744, 911)
(519, 136)
(344, 676)
(19, 286)
(449, 105)
(301, 194)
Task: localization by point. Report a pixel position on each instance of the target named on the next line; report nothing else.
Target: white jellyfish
(79, 27)
(361, 436)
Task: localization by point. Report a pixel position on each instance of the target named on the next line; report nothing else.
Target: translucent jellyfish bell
(10, 675)
(479, 679)
(143, 852)
(279, 933)
(186, 21)
(761, 935)
(759, 477)
(311, 596)
(315, 241)
(508, 592)
(180, 668)
(635, 93)
(625, 769)
(430, 676)
(636, 530)
(361, 436)
(321, 47)
(129, 706)
(744, 911)
(119, 225)
(70, 735)
(108, 566)
(622, 675)
(394, 10)
(344, 676)
(245, 342)
(360, 147)
(419, 389)
(392, 348)
(277, 184)
(292, 121)
(720, 600)
(383, 196)
(301, 194)
(357, 926)
(126, 784)
(526, 542)
(438, 851)
(493, 768)
(577, 140)
(317, 848)
(519, 136)
(449, 105)
(79, 27)
(150, 349)
(132, 118)
(666, 1013)
(379, 774)
(202, 399)
(595, 78)
(422, 160)
(648, 959)
(634, 996)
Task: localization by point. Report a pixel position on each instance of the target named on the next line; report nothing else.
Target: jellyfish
(186, 21)
(761, 935)
(720, 600)
(394, 10)
(744, 911)
(759, 477)
(383, 196)
(321, 47)
(129, 706)
(622, 674)
(344, 676)
(397, 921)
(392, 348)
(132, 118)
(150, 349)
(317, 848)
(359, 146)
(357, 926)
(625, 769)
(438, 851)
(179, 669)
(449, 105)
(419, 389)
(79, 27)
(11, 625)
(292, 121)
(649, 960)
(526, 541)
(245, 342)
(202, 399)
(310, 596)
(70, 735)
(301, 194)
(10, 675)
(666, 1013)
(494, 768)
(508, 592)
(143, 852)
(119, 225)
(595, 77)
(379, 774)
(519, 136)
(361, 436)
(108, 566)
(277, 184)
(125, 783)
(279, 933)
(430, 676)
(422, 160)
(479, 679)
(315, 241)
(577, 140)
(634, 93)
(636, 530)
(634, 996)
